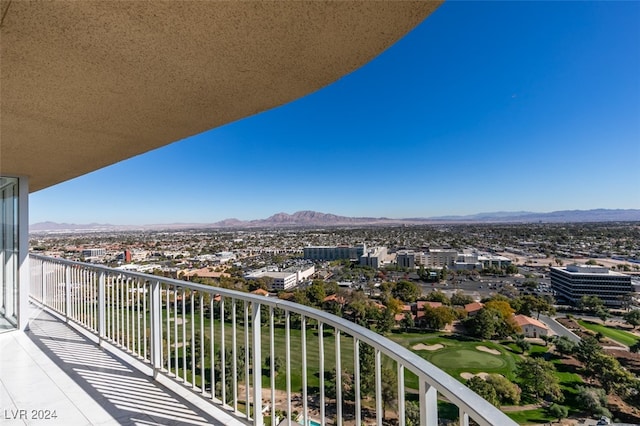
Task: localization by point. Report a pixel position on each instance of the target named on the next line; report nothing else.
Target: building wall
(608, 286)
(406, 259)
(374, 257)
(533, 331)
(332, 252)
(437, 258)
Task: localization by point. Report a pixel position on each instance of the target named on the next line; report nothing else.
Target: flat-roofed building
(406, 259)
(437, 258)
(333, 252)
(572, 282)
(93, 252)
(374, 257)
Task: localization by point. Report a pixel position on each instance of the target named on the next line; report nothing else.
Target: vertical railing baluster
(234, 353)
(202, 376)
(356, 380)
(428, 402)
(135, 317)
(305, 404)
(257, 364)
(128, 315)
(287, 341)
(272, 367)
(223, 355)
(321, 370)
(156, 320)
(109, 307)
(401, 410)
(184, 336)
(102, 302)
(144, 321)
(378, 370)
(464, 417)
(175, 333)
(338, 378)
(118, 309)
(67, 293)
(193, 339)
(212, 327)
(246, 359)
(43, 284)
(169, 342)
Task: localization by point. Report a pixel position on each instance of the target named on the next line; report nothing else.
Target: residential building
(530, 327)
(572, 282)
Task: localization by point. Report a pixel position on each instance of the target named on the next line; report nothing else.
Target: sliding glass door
(9, 251)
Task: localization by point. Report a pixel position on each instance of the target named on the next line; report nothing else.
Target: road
(558, 328)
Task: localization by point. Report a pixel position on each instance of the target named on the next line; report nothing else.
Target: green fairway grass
(620, 336)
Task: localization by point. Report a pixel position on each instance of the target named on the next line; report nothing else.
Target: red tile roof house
(531, 327)
(261, 292)
(473, 308)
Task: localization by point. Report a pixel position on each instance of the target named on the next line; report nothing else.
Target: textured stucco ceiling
(85, 84)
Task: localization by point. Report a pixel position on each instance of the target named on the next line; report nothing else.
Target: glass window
(9, 251)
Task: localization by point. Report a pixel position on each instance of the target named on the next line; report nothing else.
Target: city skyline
(483, 107)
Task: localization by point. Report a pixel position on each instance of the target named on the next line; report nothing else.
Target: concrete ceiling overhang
(85, 84)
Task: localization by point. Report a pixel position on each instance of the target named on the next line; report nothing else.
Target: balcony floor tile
(53, 368)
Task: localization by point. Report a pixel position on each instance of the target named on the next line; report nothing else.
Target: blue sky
(486, 106)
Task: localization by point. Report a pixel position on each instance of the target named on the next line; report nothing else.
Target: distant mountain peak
(305, 218)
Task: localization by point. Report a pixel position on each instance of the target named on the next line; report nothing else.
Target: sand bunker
(423, 347)
(466, 375)
(487, 350)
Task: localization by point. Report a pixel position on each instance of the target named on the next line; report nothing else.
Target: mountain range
(309, 218)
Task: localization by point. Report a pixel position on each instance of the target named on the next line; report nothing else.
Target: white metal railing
(216, 342)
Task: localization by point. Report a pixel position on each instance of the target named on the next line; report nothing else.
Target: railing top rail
(478, 408)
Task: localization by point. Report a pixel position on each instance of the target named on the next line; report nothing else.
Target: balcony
(143, 349)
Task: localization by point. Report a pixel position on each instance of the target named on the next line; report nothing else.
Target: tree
(588, 349)
(484, 389)
(438, 318)
(278, 363)
(389, 391)
(412, 413)
(564, 345)
(612, 376)
(503, 307)
(346, 382)
(386, 321)
(367, 370)
(590, 303)
(594, 400)
(633, 317)
(507, 392)
(523, 344)
(558, 411)
(492, 321)
(528, 304)
(438, 296)
(407, 322)
(460, 299)
(537, 379)
(316, 293)
(394, 305)
(406, 291)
